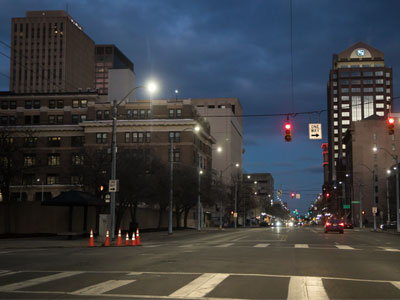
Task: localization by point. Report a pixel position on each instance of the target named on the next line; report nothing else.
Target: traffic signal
(390, 124)
(292, 194)
(363, 212)
(327, 195)
(288, 131)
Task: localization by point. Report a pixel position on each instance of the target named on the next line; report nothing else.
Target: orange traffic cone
(119, 240)
(133, 239)
(107, 241)
(127, 239)
(91, 240)
(137, 237)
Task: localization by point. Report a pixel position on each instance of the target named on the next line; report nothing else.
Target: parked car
(334, 225)
(391, 225)
(348, 225)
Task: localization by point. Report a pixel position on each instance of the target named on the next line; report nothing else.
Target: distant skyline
(228, 48)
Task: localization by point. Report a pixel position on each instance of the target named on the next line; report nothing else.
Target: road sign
(235, 215)
(346, 206)
(374, 209)
(297, 196)
(355, 202)
(315, 131)
(113, 185)
(279, 192)
(108, 198)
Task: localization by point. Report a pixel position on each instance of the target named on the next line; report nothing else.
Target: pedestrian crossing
(276, 245)
(184, 285)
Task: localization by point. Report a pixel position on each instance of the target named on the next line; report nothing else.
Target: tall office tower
(109, 57)
(50, 53)
(360, 85)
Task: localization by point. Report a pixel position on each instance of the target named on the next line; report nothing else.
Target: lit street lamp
(151, 87)
(396, 159)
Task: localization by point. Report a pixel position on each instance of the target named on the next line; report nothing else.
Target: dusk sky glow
(232, 48)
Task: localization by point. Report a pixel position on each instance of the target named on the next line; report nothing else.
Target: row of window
(30, 179)
(358, 81)
(365, 90)
(53, 159)
(369, 97)
(31, 142)
(137, 137)
(35, 104)
(38, 28)
(358, 74)
(35, 120)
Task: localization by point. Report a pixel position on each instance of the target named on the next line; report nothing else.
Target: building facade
(362, 163)
(360, 85)
(52, 131)
(50, 53)
(108, 57)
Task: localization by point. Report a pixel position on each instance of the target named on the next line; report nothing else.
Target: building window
(36, 120)
(355, 74)
(60, 119)
(176, 155)
(379, 89)
(75, 103)
(99, 115)
(335, 99)
(378, 73)
(77, 141)
(179, 113)
(75, 119)
(368, 90)
(30, 142)
(368, 81)
(60, 103)
(367, 74)
(135, 114)
(54, 141)
(29, 160)
(76, 179)
(53, 179)
(13, 104)
(4, 104)
(149, 116)
(346, 122)
(345, 98)
(171, 113)
(129, 114)
(368, 106)
(101, 138)
(83, 103)
(28, 104)
(345, 90)
(356, 81)
(379, 81)
(355, 90)
(148, 137)
(36, 104)
(51, 119)
(345, 114)
(53, 159)
(52, 104)
(140, 137)
(378, 97)
(77, 159)
(106, 115)
(127, 137)
(134, 137)
(174, 137)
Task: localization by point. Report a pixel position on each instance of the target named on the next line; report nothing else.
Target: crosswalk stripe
(396, 284)
(19, 285)
(390, 249)
(261, 245)
(344, 247)
(306, 288)
(186, 246)
(7, 273)
(201, 286)
(102, 287)
(224, 245)
(301, 245)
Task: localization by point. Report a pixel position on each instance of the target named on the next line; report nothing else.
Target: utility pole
(171, 185)
(374, 196)
(361, 218)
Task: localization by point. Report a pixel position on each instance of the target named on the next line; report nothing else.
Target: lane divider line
(344, 247)
(261, 245)
(301, 246)
(101, 288)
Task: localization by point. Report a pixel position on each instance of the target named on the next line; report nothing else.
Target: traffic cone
(119, 240)
(91, 240)
(137, 237)
(127, 239)
(107, 241)
(133, 239)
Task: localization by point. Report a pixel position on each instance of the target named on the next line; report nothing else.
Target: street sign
(108, 198)
(315, 131)
(346, 206)
(113, 185)
(374, 209)
(297, 196)
(279, 193)
(355, 202)
(235, 215)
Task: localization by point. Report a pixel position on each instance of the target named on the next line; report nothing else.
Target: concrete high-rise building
(109, 57)
(360, 85)
(50, 53)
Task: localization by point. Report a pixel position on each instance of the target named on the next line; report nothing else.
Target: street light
(151, 87)
(373, 192)
(396, 159)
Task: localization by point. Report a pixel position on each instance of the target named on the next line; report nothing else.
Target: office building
(50, 53)
(360, 85)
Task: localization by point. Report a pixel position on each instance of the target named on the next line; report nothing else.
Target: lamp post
(387, 196)
(373, 192)
(220, 201)
(199, 172)
(151, 87)
(236, 181)
(396, 159)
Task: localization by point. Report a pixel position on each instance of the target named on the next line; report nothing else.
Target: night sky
(219, 48)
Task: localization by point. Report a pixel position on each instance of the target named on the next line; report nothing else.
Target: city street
(246, 263)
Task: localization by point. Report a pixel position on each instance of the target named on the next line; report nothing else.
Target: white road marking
(224, 245)
(396, 284)
(344, 247)
(186, 246)
(301, 245)
(306, 288)
(19, 285)
(390, 249)
(7, 273)
(261, 245)
(101, 288)
(201, 286)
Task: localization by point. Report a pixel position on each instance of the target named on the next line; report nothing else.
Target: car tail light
(328, 224)
(341, 224)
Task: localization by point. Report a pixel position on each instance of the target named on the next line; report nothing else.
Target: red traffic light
(390, 125)
(391, 120)
(288, 132)
(328, 195)
(292, 195)
(101, 188)
(288, 126)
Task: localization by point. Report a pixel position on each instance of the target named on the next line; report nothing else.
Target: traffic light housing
(292, 194)
(390, 123)
(288, 132)
(327, 195)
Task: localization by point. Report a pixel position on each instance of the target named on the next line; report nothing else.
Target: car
(348, 225)
(392, 225)
(334, 225)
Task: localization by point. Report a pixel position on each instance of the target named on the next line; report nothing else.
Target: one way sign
(315, 131)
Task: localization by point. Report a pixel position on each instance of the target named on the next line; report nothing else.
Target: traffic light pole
(113, 166)
(361, 218)
(171, 186)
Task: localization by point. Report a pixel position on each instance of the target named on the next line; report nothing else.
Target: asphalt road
(248, 263)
